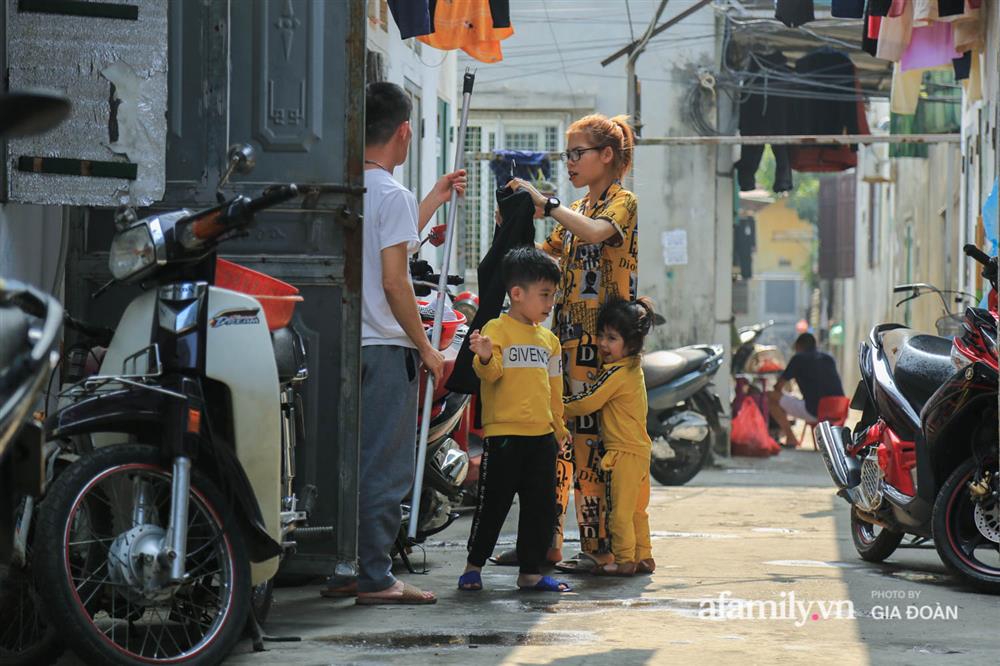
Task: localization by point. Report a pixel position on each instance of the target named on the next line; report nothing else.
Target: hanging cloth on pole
(469, 25)
(526, 164)
(413, 17)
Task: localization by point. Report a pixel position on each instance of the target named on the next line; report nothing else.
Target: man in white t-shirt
(393, 345)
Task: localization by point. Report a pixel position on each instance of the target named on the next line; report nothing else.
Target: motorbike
(30, 324)
(923, 459)
(755, 369)
(447, 465)
(152, 543)
(684, 410)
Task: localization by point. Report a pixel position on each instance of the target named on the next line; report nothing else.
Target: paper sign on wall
(675, 247)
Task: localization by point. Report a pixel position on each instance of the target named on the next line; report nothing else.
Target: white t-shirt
(390, 219)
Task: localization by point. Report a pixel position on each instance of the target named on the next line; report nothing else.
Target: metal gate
(284, 76)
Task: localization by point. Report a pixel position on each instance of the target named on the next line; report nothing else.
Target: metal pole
(425, 421)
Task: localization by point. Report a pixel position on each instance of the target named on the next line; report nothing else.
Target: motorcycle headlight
(132, 250)
(958, 359)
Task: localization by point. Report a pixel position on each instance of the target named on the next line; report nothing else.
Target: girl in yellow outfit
(619, 393)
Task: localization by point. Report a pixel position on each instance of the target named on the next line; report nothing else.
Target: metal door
(286, 76)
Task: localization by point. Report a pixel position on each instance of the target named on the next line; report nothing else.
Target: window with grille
(741, 297)
(469, 249)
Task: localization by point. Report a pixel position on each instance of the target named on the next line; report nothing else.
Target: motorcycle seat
(662, 367)
(289, 353)
(923, 365)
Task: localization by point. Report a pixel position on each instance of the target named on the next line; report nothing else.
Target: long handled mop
(425, 421)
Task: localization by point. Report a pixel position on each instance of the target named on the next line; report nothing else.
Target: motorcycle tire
(873, 547)
(668, 473)
(58, 515)
(21, 645)
(950, 522)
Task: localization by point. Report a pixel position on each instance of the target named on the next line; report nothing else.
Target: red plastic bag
(750, 436)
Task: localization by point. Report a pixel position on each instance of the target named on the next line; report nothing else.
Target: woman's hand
(537, 197)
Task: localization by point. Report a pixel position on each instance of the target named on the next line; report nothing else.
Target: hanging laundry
(744, 245)
(766, 110)
(879, 7)
(847, 8)
(950, 8)
(794, 13)
(869, 34)
(930, 46)
(925, 12)
(962, 66)
(969, 35)
(467, 25)
(939, 112)
(831, 74)
(500, 11)
(894, 34)
(413, 17)
(526, 164)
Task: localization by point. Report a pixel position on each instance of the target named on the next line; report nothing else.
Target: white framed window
(514, 132)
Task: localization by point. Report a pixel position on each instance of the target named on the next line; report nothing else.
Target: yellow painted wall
(784, 240)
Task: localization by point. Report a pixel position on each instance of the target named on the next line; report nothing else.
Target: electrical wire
(555, 40)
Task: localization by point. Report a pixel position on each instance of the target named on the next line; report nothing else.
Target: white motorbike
(154, 545)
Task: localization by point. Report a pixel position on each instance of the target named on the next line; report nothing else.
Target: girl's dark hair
(633, 320)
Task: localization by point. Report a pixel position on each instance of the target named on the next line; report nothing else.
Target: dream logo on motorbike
(235, 318)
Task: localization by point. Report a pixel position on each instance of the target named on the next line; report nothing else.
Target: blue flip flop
(470, 578)
(547, 584)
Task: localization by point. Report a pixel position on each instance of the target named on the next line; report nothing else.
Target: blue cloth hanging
(528, 163)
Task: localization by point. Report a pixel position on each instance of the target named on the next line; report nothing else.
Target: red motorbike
(923, 459)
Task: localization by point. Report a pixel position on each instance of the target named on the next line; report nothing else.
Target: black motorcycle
(923, 460)
(684, 411)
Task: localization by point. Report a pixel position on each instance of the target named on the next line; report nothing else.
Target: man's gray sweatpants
(389, 390)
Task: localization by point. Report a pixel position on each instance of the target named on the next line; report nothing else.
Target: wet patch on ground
(685, 607)
(398, 640)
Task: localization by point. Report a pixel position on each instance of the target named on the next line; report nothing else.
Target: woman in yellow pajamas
(619, 393)
(597, 245)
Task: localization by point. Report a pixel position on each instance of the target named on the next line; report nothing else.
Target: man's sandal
(411, 596)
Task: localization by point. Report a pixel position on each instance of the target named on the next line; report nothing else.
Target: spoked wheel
(99, 536)
(967, 524)
(27, 637)
(872, 542)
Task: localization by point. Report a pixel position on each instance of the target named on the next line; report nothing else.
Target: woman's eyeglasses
(575, 154)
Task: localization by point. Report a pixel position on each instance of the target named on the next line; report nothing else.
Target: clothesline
(791, 139)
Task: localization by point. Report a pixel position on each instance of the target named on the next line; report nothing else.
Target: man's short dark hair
(386, 108)
(524, 266)
(806, 342)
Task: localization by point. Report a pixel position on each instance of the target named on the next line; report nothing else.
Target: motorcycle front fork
(173, 553)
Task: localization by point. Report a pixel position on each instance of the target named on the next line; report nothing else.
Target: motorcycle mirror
(31, 112)
(241, 159)
(125, 217)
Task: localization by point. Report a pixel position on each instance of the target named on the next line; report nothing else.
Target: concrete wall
(553, 62)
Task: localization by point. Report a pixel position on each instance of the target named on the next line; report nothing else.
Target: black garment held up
(518, 229)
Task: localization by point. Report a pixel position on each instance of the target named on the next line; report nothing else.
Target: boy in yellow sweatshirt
(619, 393)
(518, 363)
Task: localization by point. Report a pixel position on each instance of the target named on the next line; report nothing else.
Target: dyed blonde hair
(616, 133)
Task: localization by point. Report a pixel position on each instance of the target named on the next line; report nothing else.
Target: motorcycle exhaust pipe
(845, 471)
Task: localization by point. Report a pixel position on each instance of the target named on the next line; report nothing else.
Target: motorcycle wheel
(872, 542)
(100, 613)
(27, 638)
(959, 541)
(689, 461)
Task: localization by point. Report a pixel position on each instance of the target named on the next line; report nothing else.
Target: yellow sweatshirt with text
(619, 393)
(521, 386)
